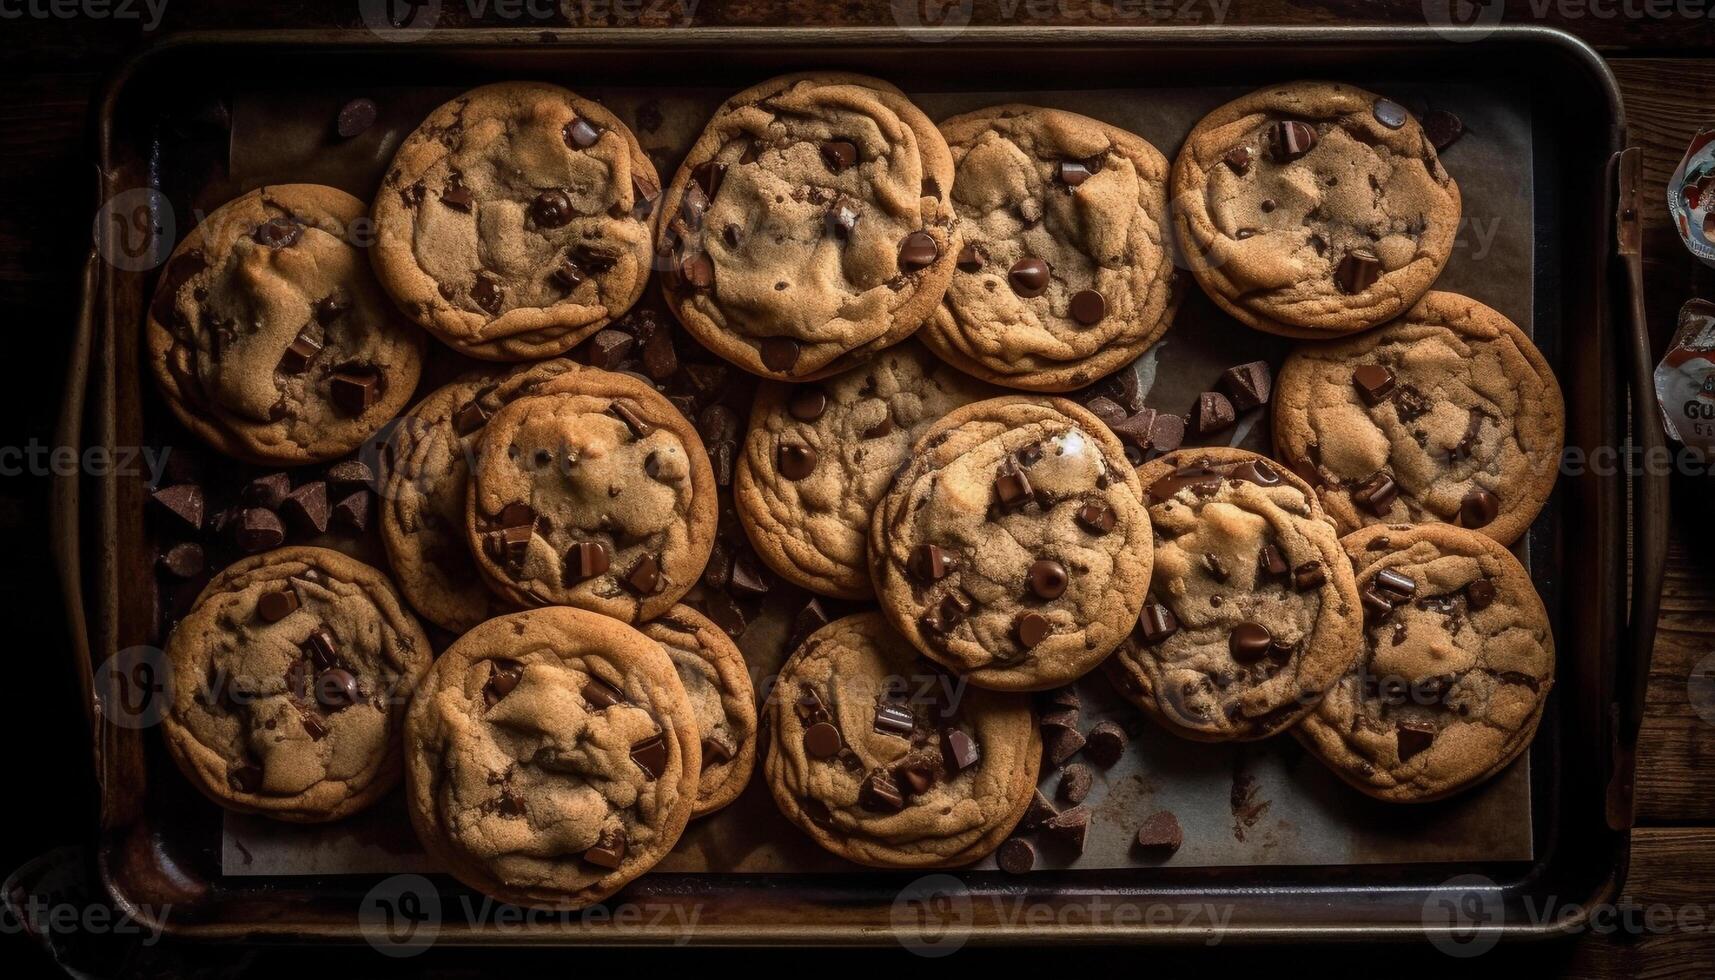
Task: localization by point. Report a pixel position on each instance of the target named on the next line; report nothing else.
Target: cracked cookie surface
(1066, 271)
(1252, 612)
(516, 221)
(818, 457)
(290, 679)
(268, 334)
(1014, 547)
(551, 757)
(888, 761)
(810, 225)
(1447, 414)
(1313, 209)
(591, 491)
(1458, 660)
(423, 499)
(717, 682)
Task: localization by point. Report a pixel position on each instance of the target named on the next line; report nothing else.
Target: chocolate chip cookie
(888, 761)
(423, 497)
(551, 757)
(516, 221)
(1252, 612)
(1457, 662)
(1014, 547)
(268, 335)
(1313, 209)
(818, 458)
(1448, 414)
(591, 491)
(717, 681)
(289, 680)
(1066, 271)
(810, 226)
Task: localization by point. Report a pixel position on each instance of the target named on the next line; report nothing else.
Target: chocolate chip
(245, 779)
(879, 429)
(600, 694)
(639, 427)
(183, 503)
(1239, 160)
(1166, 432)
(1012, 489)
(1096, 517)
(726, 614)
(1442, 128)
(1358, 271)
(1401, 586)
(586, 560)
(278, 233)
(1038, 812)
(1414, 737)
(918, 251)
(1047, 579)
(1068, 828)
(928, 563)
(568, 274)
(299, 353)
(1160, 833)
(1376, 494)
(354, 392)
(1105, 743)
(580, 135)
(609, 850)
(970, 259)
(336, 689)
(651, 755)
(551, 209)
(608, 349)
(1015, 856)
(1028, 277)
(1249, 642)
(959, 750)
(811, 617)
(948, 614)
(1376, 603)
(748, 578)
(1157, 623)
(1270, 562)
(1088, 307)
(1061, 744)
(352, 512)
(1479, 595)
(880, 793)
(1309, 575)
(458, 197)
(839, 154)
(892, 719)
(1479, 508)
(644, 577)
(307, 507)
(1247, 385)
(796, 462)
(780, 354)
(1290, 139)
(1213, 413)
(1072, 172)
(1389, 113)
(1075, 782)
(1031, 628)
(275, 606)
(1374, 383)
(259, 530)
(698, 271)
(807, 403)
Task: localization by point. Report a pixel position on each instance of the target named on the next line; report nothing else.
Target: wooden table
(1662, 55)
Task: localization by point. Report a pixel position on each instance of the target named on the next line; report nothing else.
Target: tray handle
(1649, 498)
(65, 500)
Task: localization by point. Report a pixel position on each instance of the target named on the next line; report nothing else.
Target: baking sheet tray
(1249, 805)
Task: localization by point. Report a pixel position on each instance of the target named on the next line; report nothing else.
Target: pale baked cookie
(1457, 662)
(717, 681)
(268, 335)
(428, 462)
(885, 760)
(1066, 272)
(1014, 547)
(591, 491)
(810, 225)
(1449, 414)
(1313, 209)
(1252, 612)
(516, 221)
(289, 682)
(818, 458)
(551, 757)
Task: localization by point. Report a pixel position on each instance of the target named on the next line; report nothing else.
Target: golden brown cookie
(551, 757)
(516, 221)
(591, 491)
(1251, 614)
(819, 456)
(289, 680)
(268, 335)
(1014, 547)
(810, 225)
(717, 681)
(1066, 272)
(1313, 209)
(888, 761)
(1457, 662)
(1449, 414)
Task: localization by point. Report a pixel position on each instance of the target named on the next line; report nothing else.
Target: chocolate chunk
(458, 197)
(644, 577)
(807, 403)
(1238, 159)
(822, 740)
(796, 462)
(1096, 517)
(1161, 833)
(183, 503)
(1088, 307)
(1270, 562)
(1290, 139)
(551, 209)
(918, 251)
(258, 530)
(1442, 128)
(1212, 414)
(1061, 744)
(1479, 508)
(928, 563)
(643, 195)
(811, 617)
(609, 850)
(600, 694)
(842, 218)
(1377, 605)
(354, 392)
(1166, 432)
(948, 614)
(245, 779)
(1157, 623)
(1068, 828)
(319, 646)
(959, 750)
(1047, 578)
(299, 353)
(1109, 411)
(1012, 490)
(1358, 271)
(518, 514)
(1105, 743)
(1479, 595)
(1039, 811)
(1414, 737)
(971, 259)
(780, 353)
(893, 719)
(1249, 642)
(1401, 586)
(747, 577)
(1062, 717)
(1061, 697)
(716, 751)
(348, 476)
(1075, 782)
(503, 678)
(1255, 471)
(183, 560)
(580, 135)
(718, 423)
(697, 271)
(608, 349)
(1376, 494)
(1072, 172)
(651, 755)
(1374, 383)
(336, 689)
(636, 423)
(1031, 629)
(1028, 277)
(1389, 113)
(809, 706)
(275, 606)
(879, 429)
(1309, 575)
(278, 233)
(1216, 568)
(880, 793)
(839, 154)
(1015, 856)
(307, 507)
(1248, 385)
(487, 293)
(585, 560)
(568, 274)
(352, 512)
(1136, 431)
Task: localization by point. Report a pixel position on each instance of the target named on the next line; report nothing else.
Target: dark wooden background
(55, 56)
